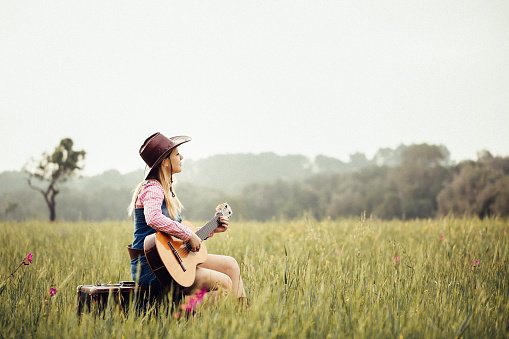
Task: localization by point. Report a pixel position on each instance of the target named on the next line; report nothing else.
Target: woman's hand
(194, 243)
(223, 225)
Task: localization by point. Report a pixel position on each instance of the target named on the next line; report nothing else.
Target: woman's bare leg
(206, 280)
(228, 266)
(209, 280)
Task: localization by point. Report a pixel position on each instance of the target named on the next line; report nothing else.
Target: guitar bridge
(177, 255)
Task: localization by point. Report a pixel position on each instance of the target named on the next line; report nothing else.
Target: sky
(290, 77)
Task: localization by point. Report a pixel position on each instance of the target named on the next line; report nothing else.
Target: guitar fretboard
(209, 227)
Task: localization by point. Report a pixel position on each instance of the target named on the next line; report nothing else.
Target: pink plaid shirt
(150, 198)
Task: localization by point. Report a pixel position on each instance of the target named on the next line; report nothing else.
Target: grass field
(349, 278)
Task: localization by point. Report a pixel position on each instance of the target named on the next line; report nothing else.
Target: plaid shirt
(150, 198)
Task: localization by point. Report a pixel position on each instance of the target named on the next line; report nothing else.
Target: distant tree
(389, 157)
(266, 199)
(423, 156)
(446, 155)
(419, 179)
(11, 207)
(300, 201)
(391, 206)
(501, 204)
(327, 164)
(352, 193)
(497, 163)
(358, 160)
(54, 168)
(480, 188)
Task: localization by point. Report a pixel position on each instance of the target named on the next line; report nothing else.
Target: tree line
(420, 187)
(416, 181)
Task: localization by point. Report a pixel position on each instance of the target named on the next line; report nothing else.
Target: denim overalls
(141, 230)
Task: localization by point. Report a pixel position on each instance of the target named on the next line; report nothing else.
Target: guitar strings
(184, 250)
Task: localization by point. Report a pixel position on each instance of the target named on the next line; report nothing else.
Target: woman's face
(176, 161)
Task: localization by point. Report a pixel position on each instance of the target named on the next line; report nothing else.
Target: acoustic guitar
(171, 259)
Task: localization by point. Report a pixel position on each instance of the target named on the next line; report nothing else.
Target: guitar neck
(210, 226)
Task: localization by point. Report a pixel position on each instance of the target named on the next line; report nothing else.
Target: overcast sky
(292, 77)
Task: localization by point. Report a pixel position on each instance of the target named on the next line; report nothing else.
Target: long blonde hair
(166, 180)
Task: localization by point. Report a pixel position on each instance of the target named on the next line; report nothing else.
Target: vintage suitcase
(95, 297)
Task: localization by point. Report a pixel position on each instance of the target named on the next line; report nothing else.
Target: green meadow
(349, 278)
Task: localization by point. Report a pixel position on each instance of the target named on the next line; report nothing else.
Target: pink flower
(192, 303)
(52, 292)
(441, 238)
(199, 295)
(398, 259)
(475, 263)
(25, 262)
(27, 258)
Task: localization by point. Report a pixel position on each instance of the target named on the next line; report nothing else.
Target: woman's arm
(151, 196)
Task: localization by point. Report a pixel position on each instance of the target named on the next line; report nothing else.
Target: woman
(156, 207)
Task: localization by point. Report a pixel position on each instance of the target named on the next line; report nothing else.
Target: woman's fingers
(195, 243)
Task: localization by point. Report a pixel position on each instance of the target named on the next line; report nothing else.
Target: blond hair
(165, 177)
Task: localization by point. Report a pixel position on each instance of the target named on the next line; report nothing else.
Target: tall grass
(329, 279)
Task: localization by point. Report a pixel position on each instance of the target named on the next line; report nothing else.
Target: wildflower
(52, 292)
(475, 263)
(441, 238)
(396, 259)
(192, 304)
(26, 261)
(199, 295)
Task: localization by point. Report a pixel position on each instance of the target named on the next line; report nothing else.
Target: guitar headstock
(224, 209)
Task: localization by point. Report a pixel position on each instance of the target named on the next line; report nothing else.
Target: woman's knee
(223, 281)
(233, 268)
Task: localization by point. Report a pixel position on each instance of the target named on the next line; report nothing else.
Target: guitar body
(171, 260)
(164, 263)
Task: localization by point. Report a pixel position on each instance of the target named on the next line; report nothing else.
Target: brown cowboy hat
(157, 147)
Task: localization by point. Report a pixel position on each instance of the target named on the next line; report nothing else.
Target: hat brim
(150, 172)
